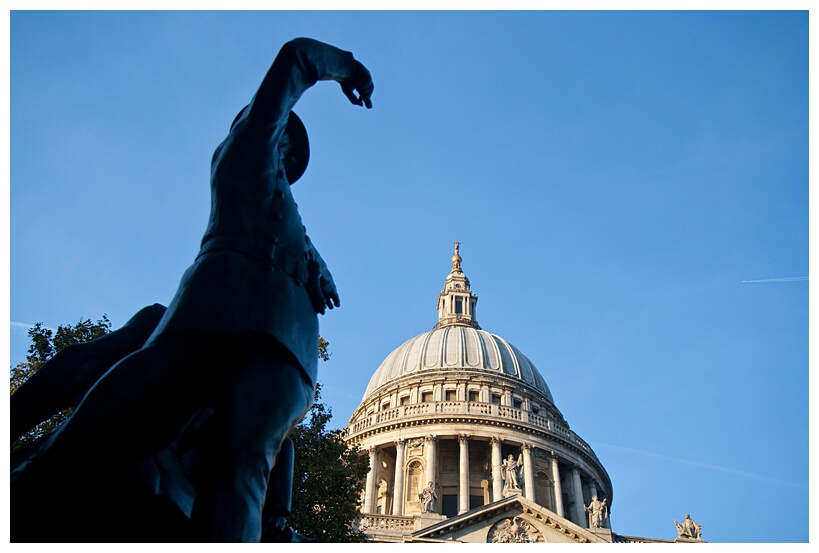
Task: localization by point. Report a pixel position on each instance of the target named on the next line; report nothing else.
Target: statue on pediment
(427, 498)
(688, 529)
(598, 511)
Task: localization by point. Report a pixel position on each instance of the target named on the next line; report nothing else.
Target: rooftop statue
(238, 340)
(688, 529)
(597, 512)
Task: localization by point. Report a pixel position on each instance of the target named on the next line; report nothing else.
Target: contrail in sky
(25, 326)
(785, 279)
(704, 465)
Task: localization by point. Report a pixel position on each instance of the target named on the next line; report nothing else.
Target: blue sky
(617, 180)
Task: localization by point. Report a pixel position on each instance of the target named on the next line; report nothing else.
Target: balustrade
(386, 523)
(389, 414)
(510, 412)
(471, 408)
(450, 407)
(479, 408)
(538, 420)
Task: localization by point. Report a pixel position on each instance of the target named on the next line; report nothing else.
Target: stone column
(431, 454)
(558, 487)
(580, 513)
(528, 474)
(398, 488)
(592, 488)
(369, 492)
(497, 479)
(463, 487)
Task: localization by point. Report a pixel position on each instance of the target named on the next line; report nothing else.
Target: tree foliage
(328, 480)
(324, 349)
(45, 343)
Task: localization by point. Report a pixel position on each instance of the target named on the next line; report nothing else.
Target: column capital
(496, 440)
(526, 448)
(372, 449)
(431, 438)
(463, 438)
(398, 442)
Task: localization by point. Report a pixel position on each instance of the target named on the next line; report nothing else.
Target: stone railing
(435, 409)
(386, 524)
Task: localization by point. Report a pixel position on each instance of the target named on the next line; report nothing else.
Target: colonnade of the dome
(465, 472)
(456, 431)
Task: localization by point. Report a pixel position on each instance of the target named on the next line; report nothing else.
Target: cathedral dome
(457, 344)
(456, 419)
(457, 348)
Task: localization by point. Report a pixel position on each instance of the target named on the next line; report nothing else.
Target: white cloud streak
(784, 279)
(24, 327)
(702, 465)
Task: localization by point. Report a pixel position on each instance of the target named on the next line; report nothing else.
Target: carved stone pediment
(511, 520)
(514, 530)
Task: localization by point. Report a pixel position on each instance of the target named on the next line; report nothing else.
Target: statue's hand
(321, 288)
(360, 81)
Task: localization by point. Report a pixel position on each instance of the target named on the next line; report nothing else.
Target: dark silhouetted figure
(61, 383)
(238, 339)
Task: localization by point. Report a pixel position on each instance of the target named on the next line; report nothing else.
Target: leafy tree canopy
(45, 343)
(328, 480)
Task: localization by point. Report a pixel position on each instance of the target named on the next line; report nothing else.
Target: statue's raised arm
(299, 65)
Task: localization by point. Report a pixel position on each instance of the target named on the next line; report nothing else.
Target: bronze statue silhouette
(62, 382)
(237, 341)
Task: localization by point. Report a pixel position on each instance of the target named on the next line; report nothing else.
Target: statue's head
(294, 146)
(594, 498)
(687, 515)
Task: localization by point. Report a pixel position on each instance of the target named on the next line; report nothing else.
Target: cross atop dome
(456, 259)
(456, 302)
